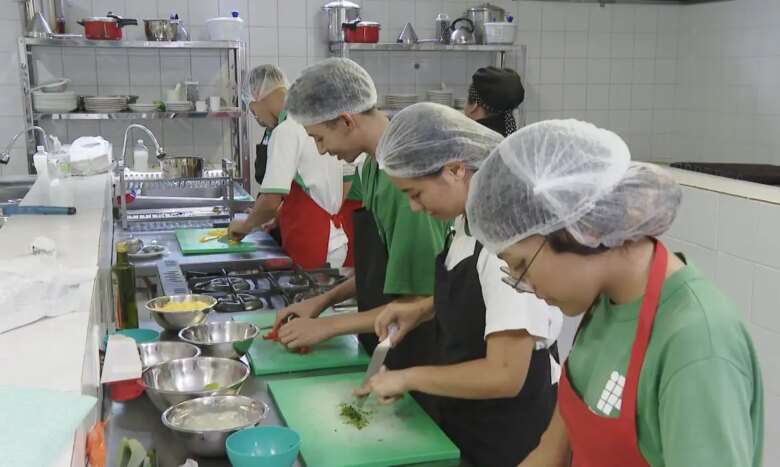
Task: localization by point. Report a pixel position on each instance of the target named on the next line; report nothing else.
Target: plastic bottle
(140, 157)
(41, 163)
(123, 282)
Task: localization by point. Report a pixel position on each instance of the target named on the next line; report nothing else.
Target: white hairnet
(328, 88)
(423, 137)
(262, 81)
(568, 174)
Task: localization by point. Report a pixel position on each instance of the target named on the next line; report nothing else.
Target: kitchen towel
(38, 286)
(38, 424)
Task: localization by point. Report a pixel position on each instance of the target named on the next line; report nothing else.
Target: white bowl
(500, 33)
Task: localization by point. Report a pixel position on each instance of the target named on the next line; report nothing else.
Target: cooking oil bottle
(123, 280)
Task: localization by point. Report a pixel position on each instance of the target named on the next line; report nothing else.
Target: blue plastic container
(266, 446)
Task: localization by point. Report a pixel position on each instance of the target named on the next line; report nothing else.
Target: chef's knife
(378, 358)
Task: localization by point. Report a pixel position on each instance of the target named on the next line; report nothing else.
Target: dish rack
(152, 184)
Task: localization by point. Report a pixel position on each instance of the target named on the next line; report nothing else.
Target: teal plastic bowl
(139, 335)
(266, 446)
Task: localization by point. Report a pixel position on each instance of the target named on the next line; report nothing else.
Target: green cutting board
(267, 357)
(397, 434)
(190, 244)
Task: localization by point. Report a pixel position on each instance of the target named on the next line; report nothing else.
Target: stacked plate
(399, 101)
(178, 106)
(460, 103)
(55, 102)
(440, 96)
(143, 107)
(105, 104)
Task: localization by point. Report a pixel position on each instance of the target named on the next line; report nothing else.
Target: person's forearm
(265, 209)
(475, 379)
(553, 449)
(338, 294)
(358, 323)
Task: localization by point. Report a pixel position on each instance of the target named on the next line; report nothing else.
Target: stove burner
(232, 304)
(324, 279)
(221, 284)
(293, 281)
(301, 296)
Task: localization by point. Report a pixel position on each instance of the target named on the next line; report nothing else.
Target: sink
(14, 188)
(162, 196)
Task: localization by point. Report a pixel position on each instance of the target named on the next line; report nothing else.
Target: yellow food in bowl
(189, 305)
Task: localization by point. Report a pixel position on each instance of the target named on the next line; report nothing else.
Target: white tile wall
(732, 241)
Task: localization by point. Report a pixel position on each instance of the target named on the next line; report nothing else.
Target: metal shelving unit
(134, 115)
(237, 64)
(343, 49)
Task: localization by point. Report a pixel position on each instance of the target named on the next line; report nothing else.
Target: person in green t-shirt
(335, 101)
(663, 371)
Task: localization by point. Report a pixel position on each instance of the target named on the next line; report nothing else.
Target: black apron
(419, 346)
(492, 432)
(261, 165)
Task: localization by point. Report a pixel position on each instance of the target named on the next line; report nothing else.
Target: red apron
(598, 441)
(305, 228)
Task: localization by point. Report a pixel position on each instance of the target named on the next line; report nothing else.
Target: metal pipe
(160, 153)
(5, 155)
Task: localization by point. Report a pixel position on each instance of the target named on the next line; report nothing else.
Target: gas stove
(261, 286)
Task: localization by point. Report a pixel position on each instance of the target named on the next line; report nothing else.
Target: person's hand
(406, 315)
(239, 229)
(303, 332)
(270, 225)
(387, 386)
(309, 308)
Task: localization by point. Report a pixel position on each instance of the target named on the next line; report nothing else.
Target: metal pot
(340, 12)
(161, 29)
(464, 34)
(485, 13)
(182, 167)
(105, 28)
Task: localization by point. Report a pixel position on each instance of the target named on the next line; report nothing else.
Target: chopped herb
(354, 416)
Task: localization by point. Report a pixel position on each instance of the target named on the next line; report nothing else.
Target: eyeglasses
(519, 284)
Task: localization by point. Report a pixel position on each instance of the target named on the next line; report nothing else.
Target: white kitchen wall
(614, 65)
(728, 96)
(733, 241)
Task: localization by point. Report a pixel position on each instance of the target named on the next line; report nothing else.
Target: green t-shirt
(413, 239)
(700, 400)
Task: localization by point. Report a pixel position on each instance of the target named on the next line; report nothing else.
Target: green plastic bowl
(266, 446)
(139, 335)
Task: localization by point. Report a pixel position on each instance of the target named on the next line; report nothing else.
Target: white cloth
(505, 308)
(292, 151)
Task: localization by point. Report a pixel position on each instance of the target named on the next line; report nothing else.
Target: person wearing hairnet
(497, 374)
(395, 248)
(305, 190)
(663, 371)
(494, 94)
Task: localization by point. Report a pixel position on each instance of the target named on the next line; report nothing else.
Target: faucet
(158, 149)
(5, 155)
(160, 153)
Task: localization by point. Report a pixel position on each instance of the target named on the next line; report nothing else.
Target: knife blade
(377, 359)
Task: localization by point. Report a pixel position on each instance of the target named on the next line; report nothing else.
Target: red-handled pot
(366, 32)
(106, 28)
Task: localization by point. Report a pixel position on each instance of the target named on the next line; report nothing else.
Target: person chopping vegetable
(304, 190)
(663, 371)
(493, 96)
(395, 248)
(496, 381)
